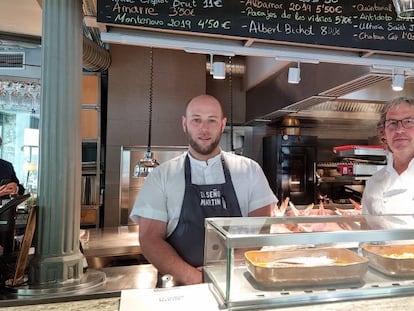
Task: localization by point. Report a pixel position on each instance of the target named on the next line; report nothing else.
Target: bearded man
(204, 182)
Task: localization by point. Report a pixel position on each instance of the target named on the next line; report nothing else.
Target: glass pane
(19, 124)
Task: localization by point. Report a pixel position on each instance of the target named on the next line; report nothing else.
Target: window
(19, 129)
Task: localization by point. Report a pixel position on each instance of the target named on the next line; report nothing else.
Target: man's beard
(204, 150)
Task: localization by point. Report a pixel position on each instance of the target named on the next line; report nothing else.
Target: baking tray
(360, 150)
(323, 266)
(401, 265)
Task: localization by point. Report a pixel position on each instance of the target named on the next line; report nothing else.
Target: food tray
(323, 266)
(401, 265)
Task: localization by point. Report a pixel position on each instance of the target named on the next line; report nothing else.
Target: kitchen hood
(323, 87)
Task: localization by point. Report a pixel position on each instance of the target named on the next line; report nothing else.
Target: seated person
(9, 183)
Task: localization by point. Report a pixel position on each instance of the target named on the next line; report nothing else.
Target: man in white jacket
(390, 190)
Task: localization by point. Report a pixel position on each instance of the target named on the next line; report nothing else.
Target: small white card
(183, 298)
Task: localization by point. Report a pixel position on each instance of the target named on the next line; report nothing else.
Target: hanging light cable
(231, 103)
(148, 163)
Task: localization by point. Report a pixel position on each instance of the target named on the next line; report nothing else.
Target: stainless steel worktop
(113, 241)
(113, 246)
(116, 280)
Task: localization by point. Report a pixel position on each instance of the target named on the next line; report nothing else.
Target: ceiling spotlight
(404, 8)
(294, 75)
(398, 82)
(217, 69)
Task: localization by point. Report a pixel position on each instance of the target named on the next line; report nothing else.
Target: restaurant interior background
(121, 94)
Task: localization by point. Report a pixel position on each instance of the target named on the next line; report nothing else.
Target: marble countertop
(112, 304)
(105, 304)
(124, 240)
(143, 277)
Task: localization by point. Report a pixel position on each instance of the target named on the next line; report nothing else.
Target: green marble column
(57, 257)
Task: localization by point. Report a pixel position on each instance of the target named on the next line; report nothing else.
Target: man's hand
(155, 248)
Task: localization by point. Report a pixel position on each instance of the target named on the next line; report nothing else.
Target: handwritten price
(343, 20)
(213, 4)
(330, 31)
(210, 23)
(322, 8)
(181, 12)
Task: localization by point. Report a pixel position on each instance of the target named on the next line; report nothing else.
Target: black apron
(201, 201)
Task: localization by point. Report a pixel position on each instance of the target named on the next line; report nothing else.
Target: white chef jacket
(387, 192)
(161, 196)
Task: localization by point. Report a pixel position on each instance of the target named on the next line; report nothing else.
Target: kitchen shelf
(348, 178)
(344, 179)
(89, 216)
(359, 150)
(353, 166)
(92, 166)
(356, 188)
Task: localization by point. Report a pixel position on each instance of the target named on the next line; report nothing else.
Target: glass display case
(268, 262)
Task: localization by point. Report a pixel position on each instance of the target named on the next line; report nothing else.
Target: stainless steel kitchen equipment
(360, 151)
(130, 186)
(360, 160)
(345, 177)
(113, 246)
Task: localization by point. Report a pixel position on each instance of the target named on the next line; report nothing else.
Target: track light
(297, 60)
(404, 8)
(217, 69)
(398, 82)
(294, 75)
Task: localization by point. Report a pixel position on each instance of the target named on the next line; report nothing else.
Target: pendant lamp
(147, 163)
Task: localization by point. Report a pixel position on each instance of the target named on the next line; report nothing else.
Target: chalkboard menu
(359, 24)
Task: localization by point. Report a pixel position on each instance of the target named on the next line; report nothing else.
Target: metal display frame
(235, 288)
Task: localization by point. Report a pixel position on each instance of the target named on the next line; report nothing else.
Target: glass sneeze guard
(252, 261)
